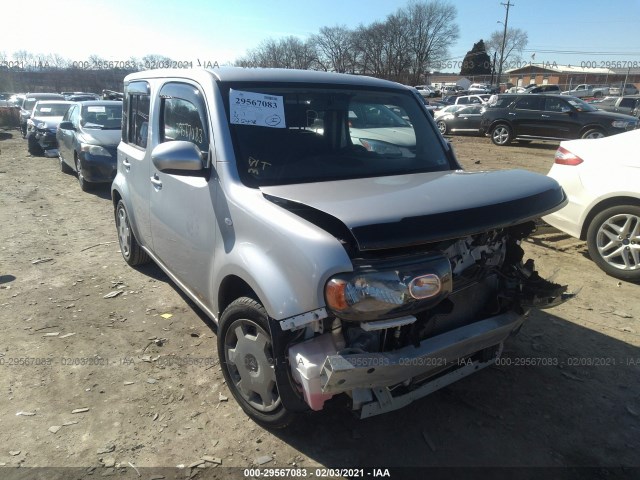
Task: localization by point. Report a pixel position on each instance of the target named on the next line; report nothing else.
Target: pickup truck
(584, 90)
(629, 105)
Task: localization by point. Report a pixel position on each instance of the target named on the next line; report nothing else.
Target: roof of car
(54, 102)
(99, 102)
(275, 75)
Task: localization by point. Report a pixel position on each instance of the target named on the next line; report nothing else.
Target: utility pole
(504, 39)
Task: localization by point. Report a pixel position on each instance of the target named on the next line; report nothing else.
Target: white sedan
(601, 178)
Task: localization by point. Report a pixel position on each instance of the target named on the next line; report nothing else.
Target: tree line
(403, 47)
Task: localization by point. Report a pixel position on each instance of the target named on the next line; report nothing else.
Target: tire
(33, 147)
(64, 168)
(442, 126)
(598, 95)
(593, 133)
(501, 135)
(243, 334)
(132, 253)
(613, 240)
(84, 185)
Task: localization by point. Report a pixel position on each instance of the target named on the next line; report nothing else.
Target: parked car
(515, 89)
(601, 180)
(553, 89)
(527, 117)
(26, 107)
(479, 88)
(628, 105)
(585, 90)
(426, 91)
(318, 258)
(629, 89)
(88, 138)
(465, 120)
(83, 97)
(452, 90)
(42, 126)
(466, 99)
(16, 100)
(447, 109)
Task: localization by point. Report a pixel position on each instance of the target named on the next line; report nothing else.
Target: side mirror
(66, 126)
(178, 156)
(456, 114)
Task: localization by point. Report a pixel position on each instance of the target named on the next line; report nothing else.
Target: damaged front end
(404, 324)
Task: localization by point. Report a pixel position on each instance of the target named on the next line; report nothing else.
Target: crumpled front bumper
(341, 373)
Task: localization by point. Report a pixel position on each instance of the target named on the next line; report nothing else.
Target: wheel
(593, 133)
(131, 251)
(84, 185)
(501, 135)
(597, 94)
(33, 147)
(64, 168)
(613, 239)
(442, 126)
(246, 358)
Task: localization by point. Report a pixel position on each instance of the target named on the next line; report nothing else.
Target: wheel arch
(603, 205)
(594, 126)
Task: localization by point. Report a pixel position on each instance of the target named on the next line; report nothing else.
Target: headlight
(620, 123)
(96, 150)
(383, 148)
(386, 293)
(41, 125)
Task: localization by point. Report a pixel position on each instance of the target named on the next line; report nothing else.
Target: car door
(467, 119)
(65, 137)
(558, 119)
(524, 116)
(182, 205)
(134, 157)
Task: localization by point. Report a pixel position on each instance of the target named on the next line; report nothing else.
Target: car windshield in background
(29, 103)
(51, 110)
(581, 105)
(104, 117)
(288, 135)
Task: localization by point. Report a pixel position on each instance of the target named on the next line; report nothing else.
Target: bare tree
(432, 29)
(57, 61)
(516, 41)
(288, 52)
(335, 49)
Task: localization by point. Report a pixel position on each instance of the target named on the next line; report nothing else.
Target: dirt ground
(142, 362)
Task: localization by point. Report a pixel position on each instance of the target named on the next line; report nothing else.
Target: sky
(565, 32)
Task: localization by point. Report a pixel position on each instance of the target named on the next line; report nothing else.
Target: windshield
(297, 135)
(581, 105)
(104, 117)
(51, 109)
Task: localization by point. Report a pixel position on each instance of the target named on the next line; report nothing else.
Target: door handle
(157, 183)
(126, 164)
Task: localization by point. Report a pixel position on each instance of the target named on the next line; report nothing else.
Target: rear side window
(135, 124)
(528, 103)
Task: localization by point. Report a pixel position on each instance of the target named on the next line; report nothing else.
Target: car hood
(50, 122)
(613, 116)
(400, 136)
(105, 138)
(407, 210)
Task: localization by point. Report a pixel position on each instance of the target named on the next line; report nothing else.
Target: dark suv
(526, 117)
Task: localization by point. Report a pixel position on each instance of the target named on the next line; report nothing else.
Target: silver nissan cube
(325, 225)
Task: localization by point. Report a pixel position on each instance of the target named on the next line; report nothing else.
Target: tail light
(565, 157)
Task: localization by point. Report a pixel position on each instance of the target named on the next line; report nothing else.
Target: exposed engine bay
(418, 345)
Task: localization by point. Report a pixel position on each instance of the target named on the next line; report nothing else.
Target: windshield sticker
(258, 109)
(96, 109)
(45, 109)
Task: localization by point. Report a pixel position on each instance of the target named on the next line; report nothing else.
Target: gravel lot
(82, 330)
